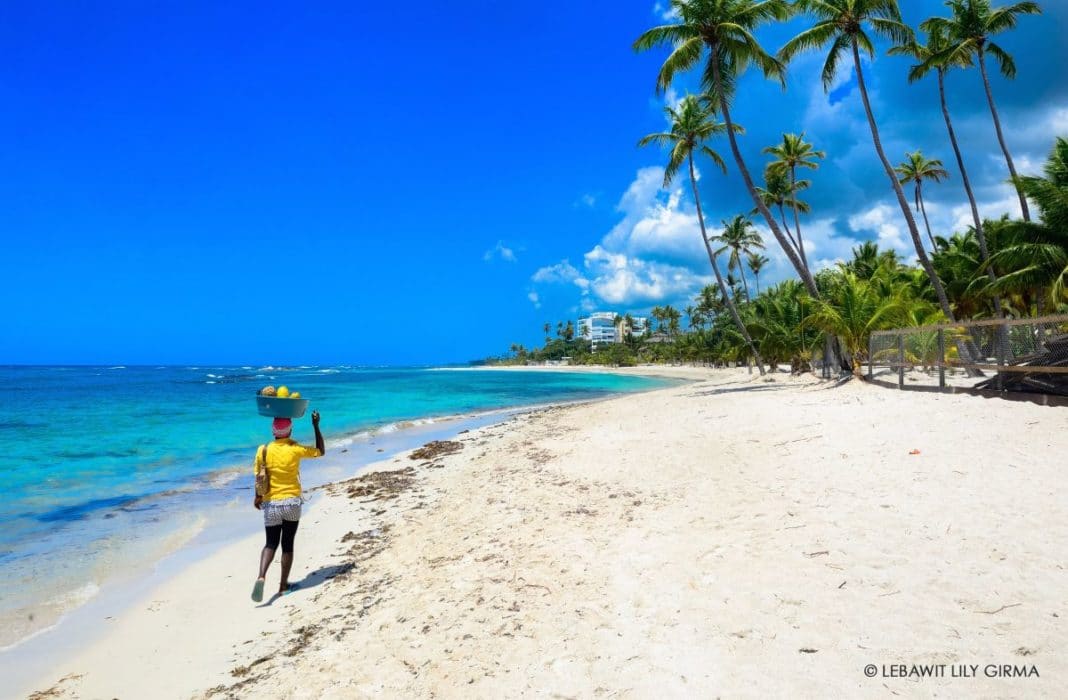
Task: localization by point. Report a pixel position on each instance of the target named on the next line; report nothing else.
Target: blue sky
(430, 182)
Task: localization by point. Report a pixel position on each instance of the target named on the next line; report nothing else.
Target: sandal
(257, 591)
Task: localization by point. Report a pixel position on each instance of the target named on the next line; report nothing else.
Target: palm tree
(1036, 256)
(692, 124)
(723, 29)
(756, 264)
(916, 169)
(933, 56)
(782, 328)
(968, 32)
(740, 238)
(777, 192)
(793, 153)
(658, 315)
(852, 310)
(693, 317)
(865, 260)
(960, 268)
(672, 316)
(710, 301)
(842, 23)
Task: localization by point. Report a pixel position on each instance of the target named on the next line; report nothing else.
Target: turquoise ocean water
(104, 460)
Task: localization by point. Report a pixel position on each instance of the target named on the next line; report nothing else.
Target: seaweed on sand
(436, 448)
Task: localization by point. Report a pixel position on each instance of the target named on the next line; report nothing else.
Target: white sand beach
(732, 537)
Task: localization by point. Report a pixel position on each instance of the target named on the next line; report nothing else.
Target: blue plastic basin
(281, 408)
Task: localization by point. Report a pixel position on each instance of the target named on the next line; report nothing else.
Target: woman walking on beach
(278, 494)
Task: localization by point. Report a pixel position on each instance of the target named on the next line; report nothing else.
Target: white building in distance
(600, 328)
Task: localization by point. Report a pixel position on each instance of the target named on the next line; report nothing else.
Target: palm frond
(1004, 18)
(664, 34)
(834, 58)
(685, 56)
(940, 25)
(1005, 62)
(678, 156)
(864, 42)
(893, 30)
(814, 38)
(714, 157)
(661, 139)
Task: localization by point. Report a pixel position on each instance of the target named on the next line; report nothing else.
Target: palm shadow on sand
(748, 388)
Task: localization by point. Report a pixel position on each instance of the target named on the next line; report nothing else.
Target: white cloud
(562, 272)
(534, 299)
(586, 200)
(655, 222)
(665, 11)
(888, 224)
(621, 279)
(825, 245)
(654, 254)
(1030, 136)
(672, 99)
(499, 251)
(957, 218)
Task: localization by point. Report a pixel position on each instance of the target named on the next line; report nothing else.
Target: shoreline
(547, 555)
(692, 372)
(224, 524)
(82, 624)
(162, 526)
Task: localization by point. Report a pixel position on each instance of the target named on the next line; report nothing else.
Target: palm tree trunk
(797, 218)
(715, 268)
(984, 251)
(923, 210)
(925, 262)
(967, 349)
(802, 271)
(789, 233)
(1001, 137)
(745, 285)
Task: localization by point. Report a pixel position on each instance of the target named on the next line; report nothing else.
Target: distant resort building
(600, 328)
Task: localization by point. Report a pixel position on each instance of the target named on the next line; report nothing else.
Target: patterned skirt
(274, 512)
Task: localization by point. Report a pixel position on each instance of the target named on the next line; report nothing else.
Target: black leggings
(286, 532)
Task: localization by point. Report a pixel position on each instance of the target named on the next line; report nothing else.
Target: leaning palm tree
(756, 264)
(740, 238)
(968, 32)
(692, 124)
(721, 31)
(844, 24)
(793, 153)
(933, 56)
(917, 169)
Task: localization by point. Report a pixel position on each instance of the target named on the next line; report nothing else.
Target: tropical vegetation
(997, 267)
